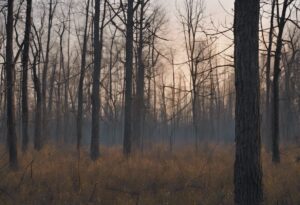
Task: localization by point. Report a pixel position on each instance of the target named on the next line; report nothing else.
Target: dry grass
(157, 177)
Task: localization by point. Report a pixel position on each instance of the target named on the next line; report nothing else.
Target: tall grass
(154, 177)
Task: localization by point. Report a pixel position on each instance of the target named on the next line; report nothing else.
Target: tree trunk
(67, 84)
(10, 73)
(140, 83)
(268, 74)
(275, 87)
(81, 78)
(128, 79)
(247, 167)
(38, 111)
(45, 71)
(96, 84)
(25, 58)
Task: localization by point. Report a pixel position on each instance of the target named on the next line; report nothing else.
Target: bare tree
(25, 59)
(81, 78)
(191, 21)
(37, 89)
(10, 98)
(275, 86)
(96, 82)
(140, 78)
(52, 7)
(128, 79)
(268, 71)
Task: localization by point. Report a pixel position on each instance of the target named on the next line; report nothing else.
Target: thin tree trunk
(67, 83)
(10, 72)
(268, 73)
(128, 79)
(81, 79)
(38, 111)
(25, 59)
(96, 83)
(275, 104)
(59, 106)
(140, 83)
(45, 71)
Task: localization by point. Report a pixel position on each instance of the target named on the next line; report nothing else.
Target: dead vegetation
(155, 177)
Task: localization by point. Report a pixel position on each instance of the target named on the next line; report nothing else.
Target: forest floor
(156, 177)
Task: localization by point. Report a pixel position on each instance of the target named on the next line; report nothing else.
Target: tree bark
(128, 79)
(96, 84)
(25, 58)
(81, 78)
(247, 167)
(268, 74)
(275, 87)
(45, 71)
(10, 72)
(38, 111)
(140, 83)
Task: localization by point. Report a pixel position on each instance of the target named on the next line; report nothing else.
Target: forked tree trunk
(275, 87)
(45, 71)
(140, 83)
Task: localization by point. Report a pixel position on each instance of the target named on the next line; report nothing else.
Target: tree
(37, 89)
(140, 80)
(10, 98)
(268, 71)
(128, 79)
(52, 7)
(247, 167)
(96, 83)
(275, 86)
(191, 21)
(81, 78)
(37, 86)
(25, 59)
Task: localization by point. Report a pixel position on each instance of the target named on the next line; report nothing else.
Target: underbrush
(156, 177)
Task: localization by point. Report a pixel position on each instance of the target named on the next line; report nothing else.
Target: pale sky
(218, 11)
(213, 7)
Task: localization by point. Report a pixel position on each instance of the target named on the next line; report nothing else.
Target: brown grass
(155, 177)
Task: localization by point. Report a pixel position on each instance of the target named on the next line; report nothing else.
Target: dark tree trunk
(45, 71)
(25, 58)
(128, 79)
(247, 167)
(10, 72)
(268, 74)
(38, 111)
(96, 84)
(81, 78)
(275, 100)
(59, 136)
(67, 84)
(51, 87)
(140, 84)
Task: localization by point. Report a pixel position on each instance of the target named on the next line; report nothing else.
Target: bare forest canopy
(142, 73)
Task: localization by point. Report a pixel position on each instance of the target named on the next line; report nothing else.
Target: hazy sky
(213, 7)
(219, 11)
